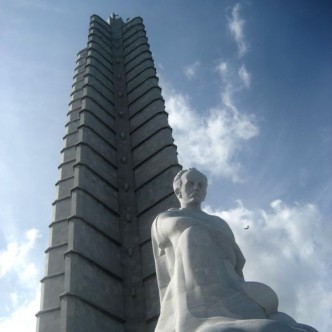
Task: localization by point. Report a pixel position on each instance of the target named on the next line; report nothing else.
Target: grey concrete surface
(116, 166)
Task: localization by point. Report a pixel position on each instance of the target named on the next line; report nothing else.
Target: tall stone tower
(116, 171)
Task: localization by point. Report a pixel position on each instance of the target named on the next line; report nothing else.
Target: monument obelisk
(116, 172)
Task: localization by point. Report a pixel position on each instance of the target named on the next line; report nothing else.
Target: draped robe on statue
(201, 285)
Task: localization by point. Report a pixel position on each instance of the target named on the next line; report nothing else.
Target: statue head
(190, 188)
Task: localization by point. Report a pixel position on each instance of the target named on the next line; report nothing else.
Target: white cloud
(13, 297)
(160, 66)
(236, 26)
(22, 318)
(222, 69)
(19, 284)
(191, 70)
(233, 81)
(227, 96)
(15, 258)
(211, 141)
(288, 248)
(244, 76)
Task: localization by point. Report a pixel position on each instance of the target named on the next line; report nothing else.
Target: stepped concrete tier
(199, 269)
(116, 170)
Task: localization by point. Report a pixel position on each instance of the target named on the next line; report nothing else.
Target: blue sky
(247, 85)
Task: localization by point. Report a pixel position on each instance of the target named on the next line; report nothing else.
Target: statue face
(193, 188)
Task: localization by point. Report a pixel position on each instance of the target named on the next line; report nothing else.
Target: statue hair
(177, 182)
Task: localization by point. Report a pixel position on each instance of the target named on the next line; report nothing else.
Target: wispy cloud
(191, 70)
(228, 84)
(212, 141)
(245, 76)
(294, 242)
(222, 69)
(236, 26)
(232, 81)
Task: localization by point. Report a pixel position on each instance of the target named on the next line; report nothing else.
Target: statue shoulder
(167, 214)
(221, 220)
(215, 218)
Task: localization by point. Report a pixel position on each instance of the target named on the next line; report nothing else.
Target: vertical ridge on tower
(116, 171)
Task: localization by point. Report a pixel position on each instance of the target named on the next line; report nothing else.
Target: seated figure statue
(199, 272)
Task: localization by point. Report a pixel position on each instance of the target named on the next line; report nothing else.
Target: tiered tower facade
(116, 173)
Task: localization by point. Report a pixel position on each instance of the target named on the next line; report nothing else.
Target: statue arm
(239, 256)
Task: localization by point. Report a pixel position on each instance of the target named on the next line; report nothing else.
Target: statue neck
(191, 207)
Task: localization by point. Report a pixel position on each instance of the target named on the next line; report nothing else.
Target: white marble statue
(199, 272)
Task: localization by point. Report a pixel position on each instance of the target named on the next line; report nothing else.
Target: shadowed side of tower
(116, 172)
